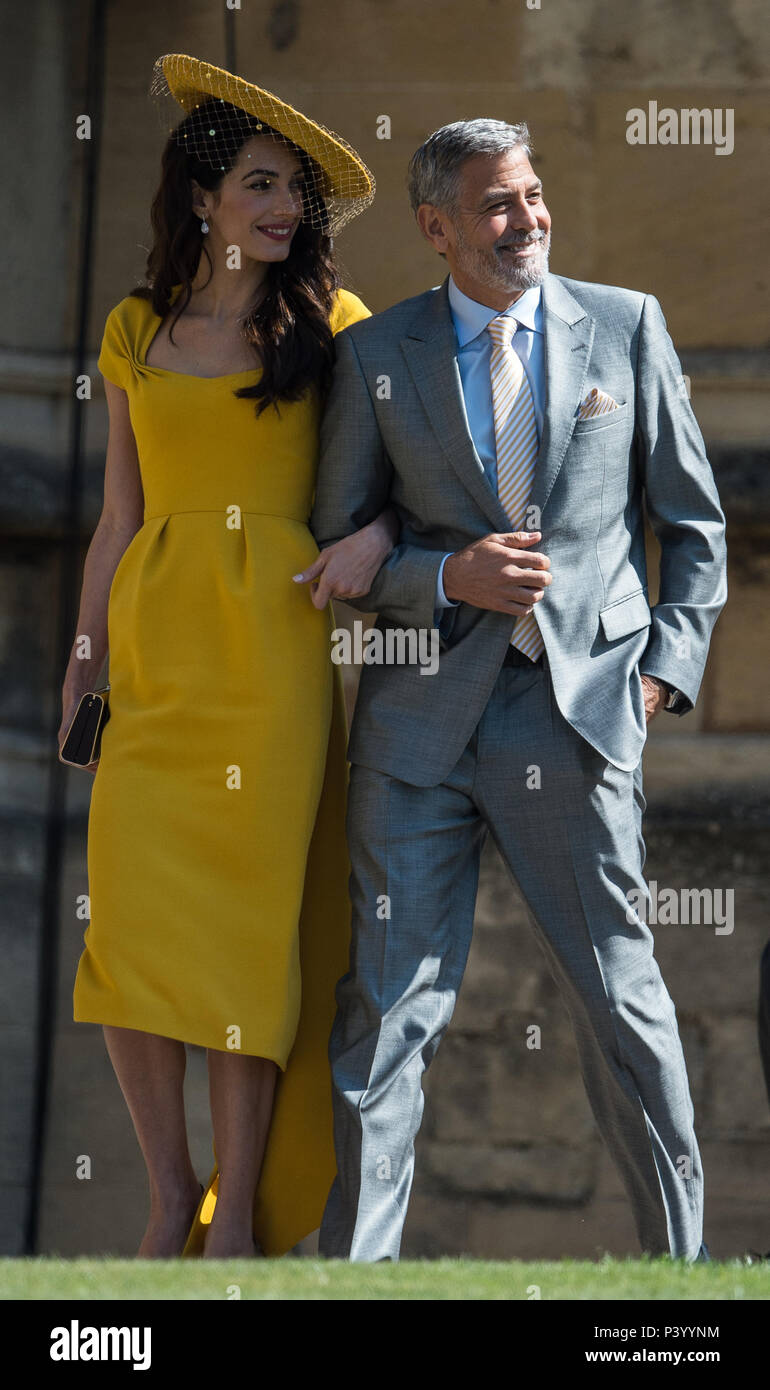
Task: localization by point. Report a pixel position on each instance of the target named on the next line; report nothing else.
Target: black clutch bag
(83, 739)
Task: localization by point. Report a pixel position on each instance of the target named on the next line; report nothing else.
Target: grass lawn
(454, 1279)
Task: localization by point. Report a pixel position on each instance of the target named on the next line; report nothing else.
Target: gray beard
(491, 268)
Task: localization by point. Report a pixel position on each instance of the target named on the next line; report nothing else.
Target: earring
(204, 226)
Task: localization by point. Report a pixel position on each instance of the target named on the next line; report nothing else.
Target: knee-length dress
(217, 862)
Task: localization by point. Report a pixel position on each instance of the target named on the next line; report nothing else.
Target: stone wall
(508, 1159)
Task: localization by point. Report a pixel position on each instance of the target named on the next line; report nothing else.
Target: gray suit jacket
(395, 431)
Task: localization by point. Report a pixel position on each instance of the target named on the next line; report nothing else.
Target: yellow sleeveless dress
(217, 860)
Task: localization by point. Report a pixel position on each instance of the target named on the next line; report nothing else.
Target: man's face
(497, 240)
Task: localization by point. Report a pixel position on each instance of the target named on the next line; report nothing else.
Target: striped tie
(517, 448)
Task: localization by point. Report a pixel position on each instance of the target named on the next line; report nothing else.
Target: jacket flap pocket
(626, 615)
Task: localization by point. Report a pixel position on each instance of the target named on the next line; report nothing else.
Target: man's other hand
(655, 696)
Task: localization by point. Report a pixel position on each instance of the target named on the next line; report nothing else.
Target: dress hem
(194, 1042)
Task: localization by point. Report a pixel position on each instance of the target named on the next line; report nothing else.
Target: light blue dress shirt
(473, 359)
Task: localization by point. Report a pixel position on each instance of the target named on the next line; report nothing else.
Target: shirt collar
(471, 318)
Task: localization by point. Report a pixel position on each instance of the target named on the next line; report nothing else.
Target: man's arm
(354, 484)
(685, 515)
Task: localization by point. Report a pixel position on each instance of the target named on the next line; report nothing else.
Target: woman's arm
(122, 515)
(347, 568)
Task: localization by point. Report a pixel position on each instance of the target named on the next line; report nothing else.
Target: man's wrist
(442, 598)
(671, 693)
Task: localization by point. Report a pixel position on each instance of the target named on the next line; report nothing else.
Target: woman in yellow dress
(217, 861)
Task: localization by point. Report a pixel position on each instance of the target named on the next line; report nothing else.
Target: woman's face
(258, 205)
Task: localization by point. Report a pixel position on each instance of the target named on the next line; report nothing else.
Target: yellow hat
(347, 185)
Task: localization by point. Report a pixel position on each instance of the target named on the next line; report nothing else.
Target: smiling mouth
(519, 248)
(277, 233)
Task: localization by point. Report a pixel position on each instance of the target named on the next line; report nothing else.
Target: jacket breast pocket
(603, 422)
(625, 615)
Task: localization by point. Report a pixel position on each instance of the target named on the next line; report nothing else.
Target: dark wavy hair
(290, 327)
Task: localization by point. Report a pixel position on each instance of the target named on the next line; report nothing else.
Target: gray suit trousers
(574, 846)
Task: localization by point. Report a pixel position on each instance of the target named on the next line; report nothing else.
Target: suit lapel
(569, 335)
(430, 349)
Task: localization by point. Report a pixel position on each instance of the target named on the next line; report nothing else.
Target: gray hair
(434, 169)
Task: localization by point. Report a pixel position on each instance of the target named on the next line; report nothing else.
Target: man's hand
(498, 572)
(655, 696)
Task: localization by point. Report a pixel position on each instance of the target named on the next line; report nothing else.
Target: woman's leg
(150, 1070)
(241, 1090)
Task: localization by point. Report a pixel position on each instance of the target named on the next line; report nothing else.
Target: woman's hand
(70, 700)
(347, 568)
(121, 518)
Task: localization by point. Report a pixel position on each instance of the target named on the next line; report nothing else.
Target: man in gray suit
(509, 383)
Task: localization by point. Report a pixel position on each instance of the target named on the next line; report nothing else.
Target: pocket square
(596, 403)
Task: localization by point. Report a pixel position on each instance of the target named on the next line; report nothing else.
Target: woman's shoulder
(123, 328)
(128, 317)
(130, 312)
(348, 308)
